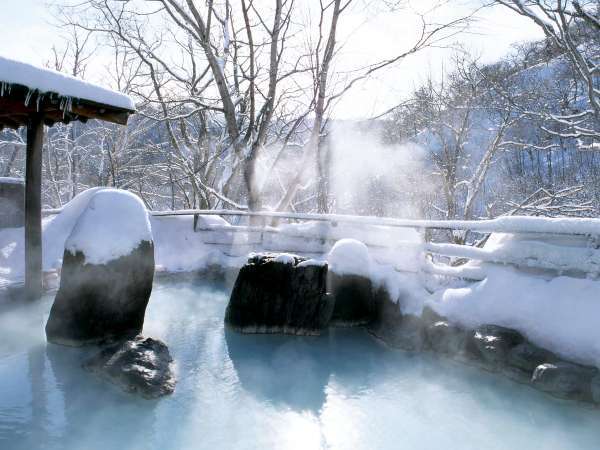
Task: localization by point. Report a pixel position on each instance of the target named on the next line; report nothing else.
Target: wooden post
(33, 207)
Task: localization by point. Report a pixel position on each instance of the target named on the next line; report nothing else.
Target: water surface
(339, 391)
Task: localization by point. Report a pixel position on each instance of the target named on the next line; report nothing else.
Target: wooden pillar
(33, 207)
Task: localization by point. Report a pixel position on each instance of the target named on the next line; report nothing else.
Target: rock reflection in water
(295, 371)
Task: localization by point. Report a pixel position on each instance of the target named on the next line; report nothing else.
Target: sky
(28, 27)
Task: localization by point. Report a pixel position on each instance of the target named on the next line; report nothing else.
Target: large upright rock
(280, 294)
(107, 272)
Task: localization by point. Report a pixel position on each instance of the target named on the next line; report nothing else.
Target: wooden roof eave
(18, 103)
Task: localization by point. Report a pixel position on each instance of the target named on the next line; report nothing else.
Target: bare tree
(573, 27)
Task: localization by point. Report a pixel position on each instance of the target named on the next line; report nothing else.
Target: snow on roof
(50, 81)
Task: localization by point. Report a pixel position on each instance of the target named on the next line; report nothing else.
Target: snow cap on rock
(349, 256)
(113, 223)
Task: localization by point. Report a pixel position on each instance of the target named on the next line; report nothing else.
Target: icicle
(66, 105)
(40, 97)
(28, 97)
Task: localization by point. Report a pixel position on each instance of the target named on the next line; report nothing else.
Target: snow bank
(561, 313)
(177, 248)
(113, 224)
(50, 81)
(350, 257)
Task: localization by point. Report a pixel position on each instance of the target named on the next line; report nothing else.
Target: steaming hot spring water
(340, 390)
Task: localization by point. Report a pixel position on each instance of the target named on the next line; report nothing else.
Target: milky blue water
(339, 391)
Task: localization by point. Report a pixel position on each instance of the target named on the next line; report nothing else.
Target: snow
(530, 251)
(11, 180)
(405, 229)
(285, 258)
(177, 248)
(313, 262)
(560, 313)
(113, 224)
(56, 229)
(351, 257)
(48, 81)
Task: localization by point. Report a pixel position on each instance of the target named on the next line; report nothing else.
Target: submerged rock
(447, 339)
(403, 331)
(565, 380)
(107, 272)
(140, 365)
(353, 298)
(280, 294)
(523, 359)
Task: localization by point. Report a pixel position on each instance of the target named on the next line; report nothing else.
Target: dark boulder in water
(140, 366)
(523, 359)
(353, 298)
(101, 302)
(565, 380)
(404, 331)
(280, 294)
(447, 339)
(492, 344)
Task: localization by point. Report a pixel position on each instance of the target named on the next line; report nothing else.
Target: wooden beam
(33, 207)
(13, 103)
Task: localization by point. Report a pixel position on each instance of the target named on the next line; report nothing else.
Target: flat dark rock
(140, 366)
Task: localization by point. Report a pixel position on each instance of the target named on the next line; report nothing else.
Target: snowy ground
(555, 311)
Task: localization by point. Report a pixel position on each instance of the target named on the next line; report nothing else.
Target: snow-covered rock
(350, 257)
(107, 271)
(557, 313)
(113, 224)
